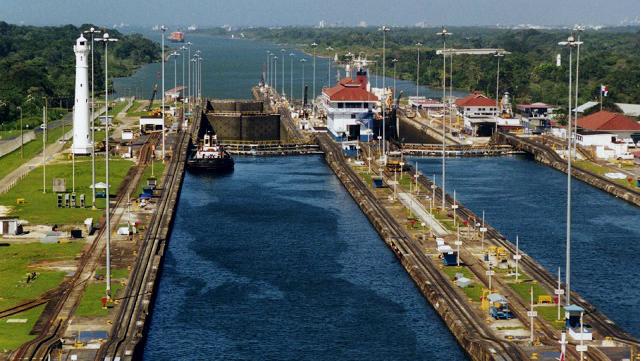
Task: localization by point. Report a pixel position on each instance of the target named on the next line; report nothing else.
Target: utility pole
(570, 43)
(517, 257)
(383, 101)
(282, 73)
(162, 94)
(106, 39)
(329, 67)
(291, 77)
(302, 83)
(498, 56)
(394, 61)
(314, 45)
(483, 230)
(444, 34)
(577, 29)
(418, 64)
(93, 31)
(44, 144)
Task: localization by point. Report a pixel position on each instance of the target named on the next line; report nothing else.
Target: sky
(304, 12)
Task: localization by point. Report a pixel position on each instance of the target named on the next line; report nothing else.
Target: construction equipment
(499, 309)
(153, 96)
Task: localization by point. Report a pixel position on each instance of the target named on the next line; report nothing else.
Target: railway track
(541, 275)
(478, 331)
(40, 347)
(127, 323)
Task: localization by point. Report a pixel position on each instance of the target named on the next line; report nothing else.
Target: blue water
(276, 262)
(522, 197)
(232, 66)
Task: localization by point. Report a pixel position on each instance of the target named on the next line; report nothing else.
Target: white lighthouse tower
(81, 140)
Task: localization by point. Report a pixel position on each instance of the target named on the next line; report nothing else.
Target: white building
(81, 140)
(350, 108)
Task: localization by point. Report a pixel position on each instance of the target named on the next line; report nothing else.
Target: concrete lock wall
(242, 106)
(227, 127)
(260, 127)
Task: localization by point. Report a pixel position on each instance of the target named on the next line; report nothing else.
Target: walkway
(417, 208)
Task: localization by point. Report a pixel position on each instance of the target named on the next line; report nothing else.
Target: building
(536, 115)
(631, 110)
(81, 141)
(608, 122)
(175, 93)
(349, 107)
(479, 114)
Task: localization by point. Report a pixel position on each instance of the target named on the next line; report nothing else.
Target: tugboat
(209, 156)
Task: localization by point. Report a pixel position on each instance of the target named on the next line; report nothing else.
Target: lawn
(91, 305)
(41, 208)
(159, 167)
(523, 290)
(549, 312)
(474, 290)
(16, 261)
(12, 335)
(11, 161)
(598, 169)
(135, 109)
(117, 108)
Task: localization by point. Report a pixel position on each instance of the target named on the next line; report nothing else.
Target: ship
(177, 37)
(210, 156)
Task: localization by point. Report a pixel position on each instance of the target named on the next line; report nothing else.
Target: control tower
(81, 140)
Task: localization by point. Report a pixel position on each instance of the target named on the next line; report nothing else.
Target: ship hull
(215, 165)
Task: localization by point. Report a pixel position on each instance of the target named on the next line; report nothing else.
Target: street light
(570, 43)
(291, 77)
(314, 45)
(282, 72)
(188, 82)
(93, 31)
(394, 61)
(106, 39)
(162, 94)
(498, 56)
(385, 29)
(577, 29)
(418, 63)
(275, 73)
(444, 34)
(175, 56)
(329, 67)
(302, 83)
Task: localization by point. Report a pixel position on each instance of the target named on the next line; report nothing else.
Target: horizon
(284, 13)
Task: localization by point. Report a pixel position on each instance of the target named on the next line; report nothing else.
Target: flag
(604, 90)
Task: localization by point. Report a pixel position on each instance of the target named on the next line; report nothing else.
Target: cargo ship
(209, 156)
(177, 37)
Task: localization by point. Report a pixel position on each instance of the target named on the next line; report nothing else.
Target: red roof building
(476, 105)
(605, 121)
(349, 90)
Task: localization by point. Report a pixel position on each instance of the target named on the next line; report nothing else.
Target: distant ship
(209, 156)
(177, 37)
(192, 28)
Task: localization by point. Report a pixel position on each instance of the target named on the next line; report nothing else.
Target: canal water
(232, 66)
(277, 262)
(522, 197)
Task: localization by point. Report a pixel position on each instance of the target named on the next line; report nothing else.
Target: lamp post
(444, 34)
(188, 81)
(291, 77)
(183, 51)
(570, 43)
(394, 61)
(21, 137)
(314, 45)
(93, 31)
(267, 76)
(106, 39)
(162, 94)
(329, 67)
(175, 56)
(418, 63)
(275, 73)
(282, 72)
(44, 143)
(302, 82)
(577, 29)
(498, 56)
(385, 29)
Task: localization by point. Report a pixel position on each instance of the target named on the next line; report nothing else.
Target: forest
(608, 56)
(38, 63)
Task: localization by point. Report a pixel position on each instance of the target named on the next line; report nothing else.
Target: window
(341, 105)
(353, 116)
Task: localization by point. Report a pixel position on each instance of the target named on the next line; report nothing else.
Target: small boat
(177, 37)
(209, 156)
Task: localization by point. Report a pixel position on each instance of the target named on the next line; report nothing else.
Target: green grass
(90, 305)
(117, 108)
(8, 134)
(474, 290)
(42, 208)
(134, 109)
(159, 167)
(598, 169)
(116, 273)
(12, 335)
(11, 161)
(523, 290)
(15, 262)
(548, 313)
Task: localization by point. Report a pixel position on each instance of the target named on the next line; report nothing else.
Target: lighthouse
(81, 140)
